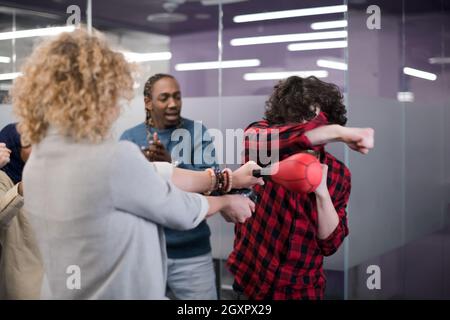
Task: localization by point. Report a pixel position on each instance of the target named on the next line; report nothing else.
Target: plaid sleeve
(340, 193)
(286, 139)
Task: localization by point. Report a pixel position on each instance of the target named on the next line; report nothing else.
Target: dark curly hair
(296, 99)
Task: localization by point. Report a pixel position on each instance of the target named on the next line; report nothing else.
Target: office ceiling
(170, 17)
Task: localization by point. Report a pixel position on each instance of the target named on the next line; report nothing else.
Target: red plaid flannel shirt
(277, 254)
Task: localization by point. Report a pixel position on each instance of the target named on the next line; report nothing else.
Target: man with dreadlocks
(190, 266)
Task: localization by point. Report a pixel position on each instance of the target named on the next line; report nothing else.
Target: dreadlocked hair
(148, 88)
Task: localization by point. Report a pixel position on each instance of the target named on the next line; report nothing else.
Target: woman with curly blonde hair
(98, 206)
(73, 83)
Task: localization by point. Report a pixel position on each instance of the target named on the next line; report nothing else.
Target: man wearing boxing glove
(278, 253)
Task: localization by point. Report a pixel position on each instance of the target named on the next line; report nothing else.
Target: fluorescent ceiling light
(289, 38)
(217, 64)
(289, 13)
(5, 86)
(284, 75)
(51, 31)
(144, 57)
(34, 13)
(419, 73)
(9, 76)
(338, 65)
(5, 59)
(405, 96)
(329, 24)
(439, 60)
(317, 45)
(217, 2)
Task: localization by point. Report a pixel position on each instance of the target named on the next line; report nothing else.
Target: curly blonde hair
(73, 83)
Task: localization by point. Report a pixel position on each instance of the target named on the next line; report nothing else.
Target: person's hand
(243, 178)
(156, 151)
(238, 208)
(358, 139)
(4, 155)
(322, 189)
(20, 188)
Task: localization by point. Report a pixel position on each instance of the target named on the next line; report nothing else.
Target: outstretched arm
(200, 181)
(293, 138)
(358, 139)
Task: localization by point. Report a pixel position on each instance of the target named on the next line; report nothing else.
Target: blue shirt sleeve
(125, 136)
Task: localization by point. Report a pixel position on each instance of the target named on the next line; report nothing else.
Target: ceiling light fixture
(329, 25)
(146, 57)
(419, 74)
(217, 2)
(331, 64)
(41, 32)
(283, 75)
(5, 59)
(217, 64)
(289, 13)
(405, 96)
(288, 38)
(317, 45)
(9, 76)
(439, 60)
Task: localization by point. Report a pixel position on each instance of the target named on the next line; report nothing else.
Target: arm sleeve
(164, 169)
(332, 243)
(138, 189)
(125, 136)
(285, 140)
(10, 203)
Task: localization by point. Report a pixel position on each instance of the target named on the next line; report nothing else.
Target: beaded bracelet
(213, 181)
(219, 180)
(229, 179)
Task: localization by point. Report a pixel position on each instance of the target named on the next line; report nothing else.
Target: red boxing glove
(300, 173)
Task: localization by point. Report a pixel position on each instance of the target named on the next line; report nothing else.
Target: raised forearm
(328, 219)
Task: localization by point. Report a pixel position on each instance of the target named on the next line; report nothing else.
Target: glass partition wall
(390, 59)
(398, 83)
